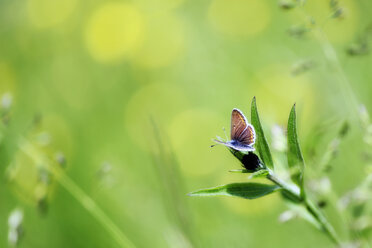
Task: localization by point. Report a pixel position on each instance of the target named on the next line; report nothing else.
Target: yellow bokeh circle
(45, 13)
(114, 31)
(163, 43)
(23, 177)
(159, 5)
(277, 90)
(191, 133)
(239, 18)
(58, 133)
(151, 109)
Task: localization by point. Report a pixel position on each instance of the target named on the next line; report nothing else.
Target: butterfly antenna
(224, 130)
(216, 141)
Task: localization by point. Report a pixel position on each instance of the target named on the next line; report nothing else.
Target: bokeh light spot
(157, 102)
(57, 133)
(45, 13)
(23, 177)
(160, 5)
(239, 18)
(278, 91)
(191, 134)
(114, 31)
(163, 42)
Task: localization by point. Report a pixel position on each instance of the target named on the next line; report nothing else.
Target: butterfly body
(242, 134)
(236, 145)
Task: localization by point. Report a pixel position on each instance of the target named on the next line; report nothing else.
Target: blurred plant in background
(107, 110)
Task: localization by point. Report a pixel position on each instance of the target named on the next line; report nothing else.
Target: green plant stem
(334, 62)
(324, 223)
(87, 202)
(291, 189)
(310, 207)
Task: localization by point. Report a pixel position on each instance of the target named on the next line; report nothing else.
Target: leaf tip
(294, 107)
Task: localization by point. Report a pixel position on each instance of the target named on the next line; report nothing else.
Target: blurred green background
(131, 93)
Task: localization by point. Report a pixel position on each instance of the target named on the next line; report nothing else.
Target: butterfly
(242, 134)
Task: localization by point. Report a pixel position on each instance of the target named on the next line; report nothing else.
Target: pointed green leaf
(259, 174)
(295, 160)
(240, 171)
(289, 196)
(261, 143)
(243, 190)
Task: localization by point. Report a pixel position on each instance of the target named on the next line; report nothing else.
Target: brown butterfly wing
(238, 124)
(248, 136)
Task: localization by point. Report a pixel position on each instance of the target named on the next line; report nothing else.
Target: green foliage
(243, 190)
(287, 195)
(293, 194)
(261, 142)
(240, 171)
(295, 160)
(259, 174)
(92, 87)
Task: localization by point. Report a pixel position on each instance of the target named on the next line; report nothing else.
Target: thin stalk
(294, 191)
(336, 66)
(87, 202)
(325, 225)
(332, 58)
(168, 171)
(334, 61)
(310, 207)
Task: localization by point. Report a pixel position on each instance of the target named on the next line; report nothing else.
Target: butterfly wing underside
(241, 131)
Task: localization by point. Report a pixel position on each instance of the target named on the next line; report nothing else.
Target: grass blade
(295, 159)
(261, 142)
(85, 200)
(243, 190)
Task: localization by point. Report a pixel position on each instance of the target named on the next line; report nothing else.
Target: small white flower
(279, 139)
(15, 226)
(287, 216)
(15, 218)
(6, 101)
